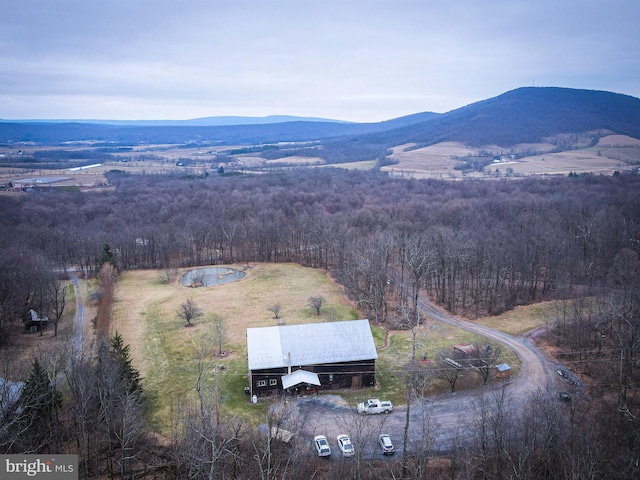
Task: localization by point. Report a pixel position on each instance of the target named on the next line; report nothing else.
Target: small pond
(206, 277)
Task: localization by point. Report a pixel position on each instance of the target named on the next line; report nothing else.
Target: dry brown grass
(613, 152)
(86, 178)
(241, 304)
(163, 349)
(618, 141)
(522, 319)
(436, 161)
(579, 161)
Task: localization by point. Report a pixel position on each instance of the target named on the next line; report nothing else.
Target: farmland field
(612, 153)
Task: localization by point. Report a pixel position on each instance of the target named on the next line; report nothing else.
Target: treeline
(129, 135)
(55, 159)
(477, 247)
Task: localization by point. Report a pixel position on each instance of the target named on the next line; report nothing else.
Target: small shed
(465, 351)
(504, 370)
(35, 322)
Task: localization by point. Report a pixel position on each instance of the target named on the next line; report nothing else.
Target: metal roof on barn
(310, 344)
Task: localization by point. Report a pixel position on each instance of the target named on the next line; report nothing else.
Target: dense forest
(488, 246)
(475, 247)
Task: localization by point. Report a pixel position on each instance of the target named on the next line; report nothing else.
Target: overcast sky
(358, 60)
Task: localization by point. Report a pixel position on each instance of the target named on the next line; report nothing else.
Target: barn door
(356, 381)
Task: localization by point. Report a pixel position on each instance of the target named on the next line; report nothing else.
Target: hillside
(57, 133)
(195, 131)
(524, 115)
(216, 121)
(565, 119)
(528, 115)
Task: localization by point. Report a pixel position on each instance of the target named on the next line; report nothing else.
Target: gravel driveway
(438, 420)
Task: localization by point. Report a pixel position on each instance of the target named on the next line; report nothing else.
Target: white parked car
(345, 445)
(386, 444)
(373, 405)
(322, 446)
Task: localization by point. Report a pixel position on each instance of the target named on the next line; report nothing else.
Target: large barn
(318, 355)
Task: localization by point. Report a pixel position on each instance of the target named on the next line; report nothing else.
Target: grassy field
(435, 161)
(613, 152)
(165, 351)
(583, 160)
(522, 319)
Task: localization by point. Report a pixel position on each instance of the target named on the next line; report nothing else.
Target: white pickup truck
(373, 405)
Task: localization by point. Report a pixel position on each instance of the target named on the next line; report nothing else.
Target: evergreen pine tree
(107, 256)
(39, 402)
(127, 372)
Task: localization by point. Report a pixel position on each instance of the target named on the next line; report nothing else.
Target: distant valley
(527, 131)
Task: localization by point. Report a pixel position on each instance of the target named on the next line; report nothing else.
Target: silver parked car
(345, 445)
(386, 444)
(322, 446)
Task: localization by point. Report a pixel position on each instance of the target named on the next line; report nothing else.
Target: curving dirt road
(442, 420)
(78, 324)
(537, 373)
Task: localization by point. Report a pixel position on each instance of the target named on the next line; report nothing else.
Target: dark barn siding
(331, 375)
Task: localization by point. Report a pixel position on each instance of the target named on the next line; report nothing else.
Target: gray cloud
(359, 60)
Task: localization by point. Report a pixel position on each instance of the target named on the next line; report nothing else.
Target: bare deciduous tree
(277, 448)
(202, 438)
(417, 379)
(218, 332)
(449, 369)
(489, 356)
(57, 301)
(81, 380)
(418, 260)
(121, 407)
(189, 311)
(169, 275)
(275, 308)
(316, 303)
(364, 273)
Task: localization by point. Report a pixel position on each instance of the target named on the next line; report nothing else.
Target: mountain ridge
(528, 114)
(211, 121)
(522, 115)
